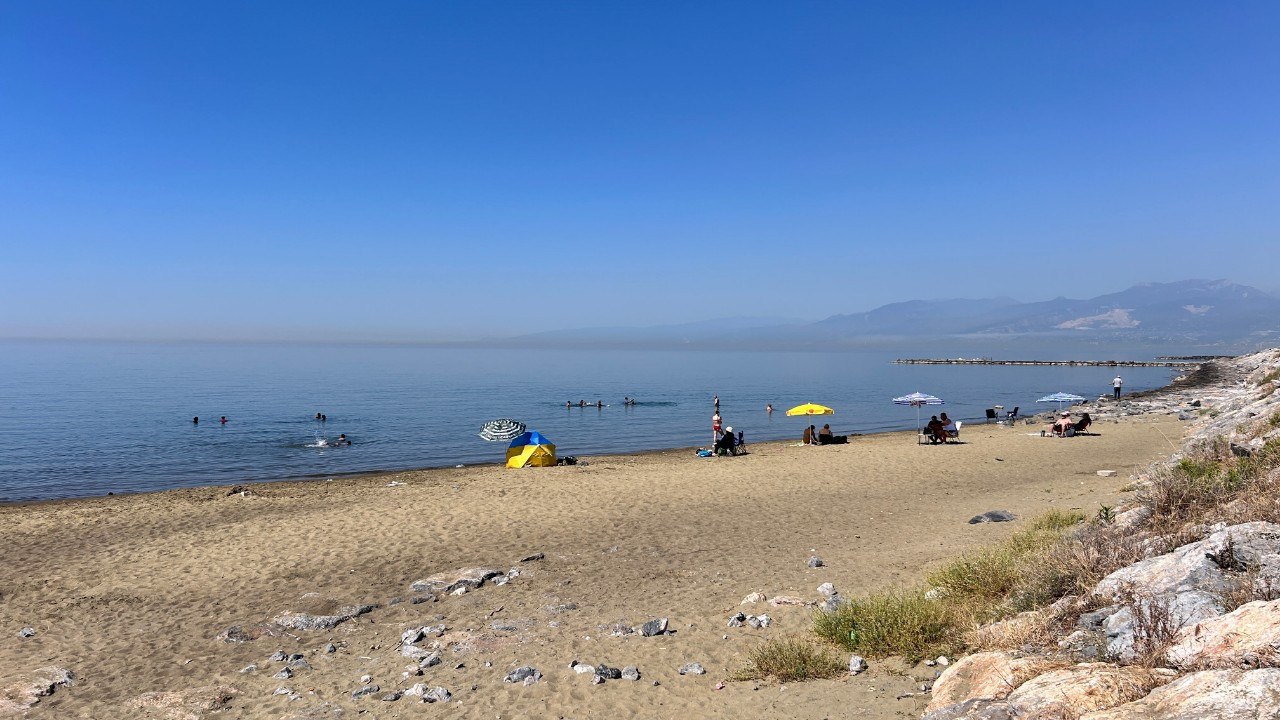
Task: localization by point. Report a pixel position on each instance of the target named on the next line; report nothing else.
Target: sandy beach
(132, 592)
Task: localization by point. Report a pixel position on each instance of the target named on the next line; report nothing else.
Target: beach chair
(955, 434)
(991, 415)
(1013, 414)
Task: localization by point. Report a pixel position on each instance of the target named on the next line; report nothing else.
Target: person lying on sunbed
(1084, 423)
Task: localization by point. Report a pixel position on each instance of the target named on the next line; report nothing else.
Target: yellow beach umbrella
(810, 409)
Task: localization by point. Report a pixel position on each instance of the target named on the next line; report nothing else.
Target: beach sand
(131, 592)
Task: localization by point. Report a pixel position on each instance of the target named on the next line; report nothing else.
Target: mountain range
(1188, 313)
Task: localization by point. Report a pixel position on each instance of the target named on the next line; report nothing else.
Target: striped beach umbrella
(502, 429)
(1061, 397)
(917, 399)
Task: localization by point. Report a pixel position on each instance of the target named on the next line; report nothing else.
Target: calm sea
(85, 418)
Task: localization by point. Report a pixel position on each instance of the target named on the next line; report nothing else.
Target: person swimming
(195, 420)
(342, 440)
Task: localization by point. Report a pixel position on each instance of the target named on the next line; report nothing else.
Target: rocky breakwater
(1189, 624)
(1214, 388)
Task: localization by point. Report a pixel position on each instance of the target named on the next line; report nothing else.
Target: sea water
(87, 418)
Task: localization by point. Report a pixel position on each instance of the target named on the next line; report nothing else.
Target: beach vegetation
(790, 659)
(1031, 588)
(1004, 595)
(903, 621)
(934, 619)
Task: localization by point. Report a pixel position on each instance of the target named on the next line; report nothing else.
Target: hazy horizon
(249, 172)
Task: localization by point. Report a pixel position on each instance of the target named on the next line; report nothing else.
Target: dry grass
(789, 660)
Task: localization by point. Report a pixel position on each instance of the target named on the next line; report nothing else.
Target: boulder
(972, 710)
(316, 612)
(984, 676)
(1217, 694)
(1133, 518)
(448, 582)
(1246, 636)
(16, 698)
(781, 600)
(654, 627)
(992, 516)
(1083, 688)
(1183, 609)
(524, 674)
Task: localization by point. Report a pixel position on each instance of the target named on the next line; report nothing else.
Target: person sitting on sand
(824, 435)
(937, 431)
(1084, 423)
(809, 436)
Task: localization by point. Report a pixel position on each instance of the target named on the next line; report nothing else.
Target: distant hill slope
(1201, 312)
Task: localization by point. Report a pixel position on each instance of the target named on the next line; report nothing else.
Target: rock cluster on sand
(1217, 665)
(18, 697)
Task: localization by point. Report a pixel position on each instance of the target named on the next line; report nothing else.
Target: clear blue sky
(451, 169)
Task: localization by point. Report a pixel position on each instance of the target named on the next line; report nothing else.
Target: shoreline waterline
(90, 421)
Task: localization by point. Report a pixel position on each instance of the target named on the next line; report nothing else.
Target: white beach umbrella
(916, 399)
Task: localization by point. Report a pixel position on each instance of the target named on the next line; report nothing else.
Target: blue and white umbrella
(916, 399)
(1061, 397)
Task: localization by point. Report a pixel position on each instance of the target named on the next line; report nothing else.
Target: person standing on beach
(715, 426)
(1115, 385)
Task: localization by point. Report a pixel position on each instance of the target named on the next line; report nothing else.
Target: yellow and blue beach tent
(531, 450)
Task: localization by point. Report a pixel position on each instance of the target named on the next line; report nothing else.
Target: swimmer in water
(223, 420)
(195, 420)
(342, 440)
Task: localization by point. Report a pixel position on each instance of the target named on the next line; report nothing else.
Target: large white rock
(1083, 688)
(984, 676)
(1246, 636)
(1215, 694)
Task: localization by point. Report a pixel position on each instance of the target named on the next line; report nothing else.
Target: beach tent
(531, 450)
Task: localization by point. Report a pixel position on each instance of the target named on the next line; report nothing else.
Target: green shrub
(897, 622)
(788, 660)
